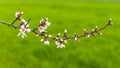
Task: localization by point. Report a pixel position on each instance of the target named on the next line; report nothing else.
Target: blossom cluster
(24, 26)
(44, 23)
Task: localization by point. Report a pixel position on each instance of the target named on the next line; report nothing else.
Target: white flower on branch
(59, 45)
(50, 36)
(45, 39)
(44, 23)
(100, 33)
(18, 14)
(22, 32)
(96, 27)
(86, 33)
(46, 42)
(23, 21)
(76, 38)
(23, 28)
(110, 22)
(65, 31)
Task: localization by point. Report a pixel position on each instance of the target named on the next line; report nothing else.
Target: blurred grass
(94, 52)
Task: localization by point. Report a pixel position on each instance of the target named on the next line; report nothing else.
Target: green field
(94, 52)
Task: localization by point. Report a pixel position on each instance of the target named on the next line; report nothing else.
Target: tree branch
(41, 30)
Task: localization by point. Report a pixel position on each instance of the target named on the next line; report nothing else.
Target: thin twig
(14, 26)
(14, 21)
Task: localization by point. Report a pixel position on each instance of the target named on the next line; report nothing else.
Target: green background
(73, 15)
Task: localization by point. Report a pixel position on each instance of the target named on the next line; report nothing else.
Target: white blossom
(65, 41)
(41, 29)
(110, 22)
(100, 33)
(23, 28)
(76, 38)
(22, 33)
(18, 14)
(28, 30)
(88, 36)
(65, 31)
(96, 27)
(48, 23)
(58, 34)
(46, 42)
(23, 21)
(59, 45)
(56, 42)
(43, 25)
(42, 40)
(49, 36)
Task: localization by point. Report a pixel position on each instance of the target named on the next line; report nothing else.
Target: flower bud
(110, 22)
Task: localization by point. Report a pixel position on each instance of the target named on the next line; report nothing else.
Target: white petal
(27, 25)
(88, 36)
(22, 36)
(96, 26)
(22, 20)
(61, 40)
(41, 30)
(110, 19)
(100, 33)
(62, 46)
(41, 20)
(45, 27)
(58, 34)
(46, 18)
(76, 38)
(16, 14)
(65, 30)
(65, 41)
(20, 30)
(21, 12)
(28, 30)
(56, 38)
(42, 40)
(19, 34)
(50, 36)
(58, 46)
(46, 42)
(22, 26)
(57, 43)
(48, 23)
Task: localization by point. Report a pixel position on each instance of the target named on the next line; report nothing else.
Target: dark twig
(14, 21)
(14, 26)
